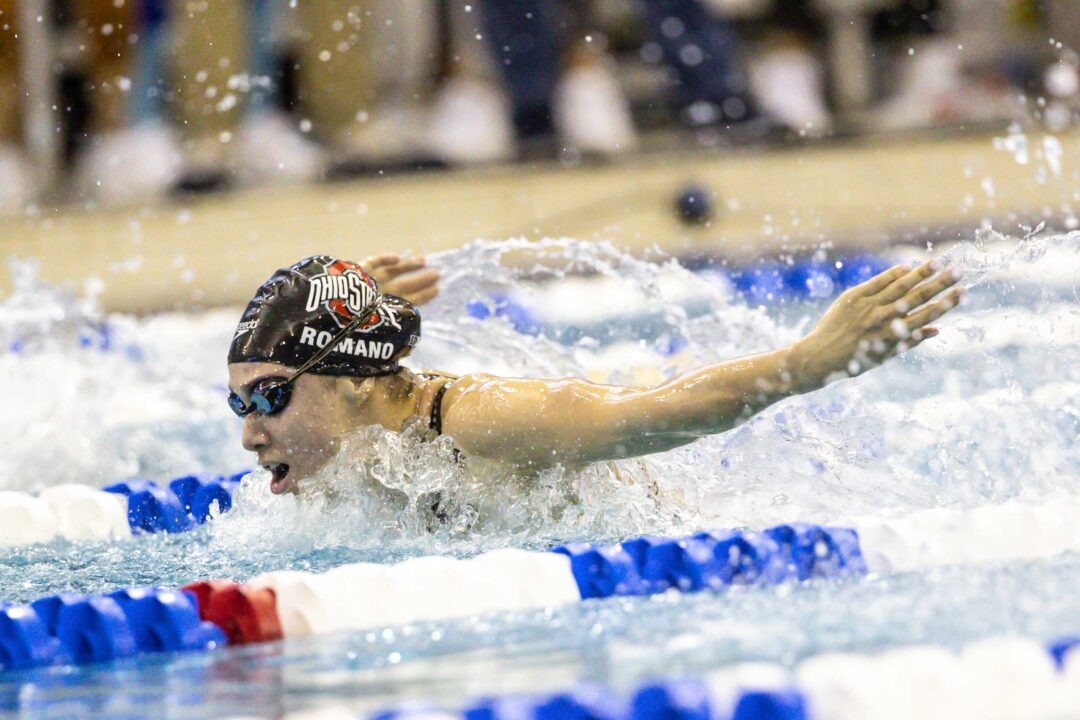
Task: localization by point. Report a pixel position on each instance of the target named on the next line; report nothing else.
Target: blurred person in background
(553, 58)
(698, 43)
(1062, 76)
(792, 83)
(203, 95)
(929, 62)
(124, 151)
(559, 78)
(360, 72)
(17, 182)
(113, 156)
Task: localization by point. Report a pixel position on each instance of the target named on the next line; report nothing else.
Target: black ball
(695, 204)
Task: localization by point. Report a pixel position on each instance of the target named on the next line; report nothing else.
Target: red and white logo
(348, 291)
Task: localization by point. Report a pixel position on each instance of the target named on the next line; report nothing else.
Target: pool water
(987, 412)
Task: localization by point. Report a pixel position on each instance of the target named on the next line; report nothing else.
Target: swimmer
(317, 355)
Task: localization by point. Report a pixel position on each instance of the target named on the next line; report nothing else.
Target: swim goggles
(271, 395)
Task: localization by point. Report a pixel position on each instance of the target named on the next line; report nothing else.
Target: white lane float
(84, 513)
(362, 596)
(72, 512)
(25, 520)
(993, 533)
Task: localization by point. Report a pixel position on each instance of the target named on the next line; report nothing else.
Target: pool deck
(861, 193)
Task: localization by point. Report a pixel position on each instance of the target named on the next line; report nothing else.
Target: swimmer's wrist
(800, 368)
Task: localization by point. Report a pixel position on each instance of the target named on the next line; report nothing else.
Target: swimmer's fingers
(405, 265)
(423, 296)
(416, 281)
(912, 341)
(376, 264)
(882, 280)
(903, 285)
(417, 287)
(934, 310)
(926, 292)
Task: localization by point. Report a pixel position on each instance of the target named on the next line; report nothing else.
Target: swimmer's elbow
(538, 424)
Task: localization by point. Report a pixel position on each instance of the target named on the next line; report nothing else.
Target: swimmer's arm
(540, 423)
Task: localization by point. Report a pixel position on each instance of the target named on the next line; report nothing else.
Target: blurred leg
(590, 111)
(470, 118)
(210, 81)
(524, 37)
(108, 29)
(469, 50)
(363, 72)
(9, 72)
(270, 147)
(337, 75)
(701, 48)
(18, 178)
(1063, 21)
(786, 72)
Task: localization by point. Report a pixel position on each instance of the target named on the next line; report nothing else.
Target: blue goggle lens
(267, 398)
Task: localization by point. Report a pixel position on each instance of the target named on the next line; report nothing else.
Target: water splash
(986, 412)
(94, 398)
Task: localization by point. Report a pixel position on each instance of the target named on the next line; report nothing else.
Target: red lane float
(245, 614)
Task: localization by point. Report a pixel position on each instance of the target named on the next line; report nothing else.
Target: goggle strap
(316, 358)
(328, 348)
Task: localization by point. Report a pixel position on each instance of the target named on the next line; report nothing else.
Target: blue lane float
(184, 503)
(713, 560)
(73, 628)
(769, 282)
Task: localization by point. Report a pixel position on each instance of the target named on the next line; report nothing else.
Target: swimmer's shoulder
(440, 392)
(448, 390)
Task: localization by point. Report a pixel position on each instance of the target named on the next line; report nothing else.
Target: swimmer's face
(297, 442)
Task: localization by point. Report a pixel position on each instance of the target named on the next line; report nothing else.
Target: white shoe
(131, 165)
(390, 133)
(470, 123)
(789, 87)
(591, 113)
(271, 149)
(931, 89)
(18, 185)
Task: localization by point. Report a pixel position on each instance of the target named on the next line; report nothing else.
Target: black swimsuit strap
(436, 410)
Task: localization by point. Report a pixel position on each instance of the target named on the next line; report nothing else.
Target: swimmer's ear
(356, 390)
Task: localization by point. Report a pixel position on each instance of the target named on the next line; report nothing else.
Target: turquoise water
(988, 412)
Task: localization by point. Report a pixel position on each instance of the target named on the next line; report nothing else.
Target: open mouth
(279, 473)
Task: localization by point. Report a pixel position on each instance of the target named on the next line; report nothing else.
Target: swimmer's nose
(254, 436)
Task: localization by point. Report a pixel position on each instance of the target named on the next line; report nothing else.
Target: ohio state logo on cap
(347, 291)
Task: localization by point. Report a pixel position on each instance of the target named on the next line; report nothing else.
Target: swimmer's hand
(409, 277)
(872, 322)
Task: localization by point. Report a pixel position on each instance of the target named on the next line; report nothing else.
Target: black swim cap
(301, 308)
